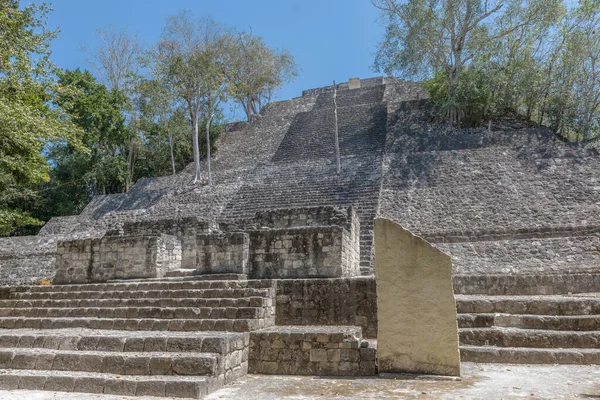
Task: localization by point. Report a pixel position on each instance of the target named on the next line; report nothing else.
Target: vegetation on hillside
(67, 135)
(483, 59)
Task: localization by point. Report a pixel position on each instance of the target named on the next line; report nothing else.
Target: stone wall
(513, 200)
(186, 230)
(317, 252)
(26, 259)
(281, 218)
(222, 253)
(343, 301)
(335, 351)
(116, 257)
(533, 256)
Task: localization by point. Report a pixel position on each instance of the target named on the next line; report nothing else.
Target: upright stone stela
(416, 310)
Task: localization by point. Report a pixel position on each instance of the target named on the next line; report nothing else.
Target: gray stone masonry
(317, 252)
(282, 218)
(318, 350)
(222, 253)
(116, 257)
(185, 230)
(342, 301)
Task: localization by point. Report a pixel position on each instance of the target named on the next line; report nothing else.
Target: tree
(165, 145)
(255, 71)
(188, 54)
(446, 36)
(117, 60)
(158, 102)
(27, 121)
(98, 111)
(574, 94)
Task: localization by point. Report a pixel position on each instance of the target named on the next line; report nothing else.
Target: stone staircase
(542, 329)
(302, 171)
(174, 338)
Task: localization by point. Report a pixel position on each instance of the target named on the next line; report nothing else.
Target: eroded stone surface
(416, 310)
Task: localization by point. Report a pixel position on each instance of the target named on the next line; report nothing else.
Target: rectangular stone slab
(416, 309)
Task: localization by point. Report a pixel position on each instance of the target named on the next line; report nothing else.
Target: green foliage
(12, 220)
(98, 112)
(28, 123)
(484, 59)
(65, 137)
(254, 71)
(471, 96)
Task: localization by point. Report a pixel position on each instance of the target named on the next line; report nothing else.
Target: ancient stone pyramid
(513, 200)
(174, 289)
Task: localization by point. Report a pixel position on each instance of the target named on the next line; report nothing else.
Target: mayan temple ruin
(283, 266)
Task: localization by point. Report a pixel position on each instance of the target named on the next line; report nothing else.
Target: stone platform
(159, 338)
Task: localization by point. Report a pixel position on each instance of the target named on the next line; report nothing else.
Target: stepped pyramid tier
(174, 289)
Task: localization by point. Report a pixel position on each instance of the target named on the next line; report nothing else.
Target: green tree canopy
(28, 122)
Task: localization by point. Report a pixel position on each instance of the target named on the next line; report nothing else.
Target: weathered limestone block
(354, 83)
(315, 252)
(116, 257)
(222, 253)
(331, 301)
(416, 309)
(184, 229)
(311, 350)
(74, 260)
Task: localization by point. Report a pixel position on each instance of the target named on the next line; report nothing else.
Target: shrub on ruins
(470, 98)
(485, 59)
(28, 121)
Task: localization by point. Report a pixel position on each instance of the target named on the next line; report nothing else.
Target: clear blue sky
(330, 39)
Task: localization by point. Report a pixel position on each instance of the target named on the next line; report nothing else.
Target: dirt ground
(479, 381)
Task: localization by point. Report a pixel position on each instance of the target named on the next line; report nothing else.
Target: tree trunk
(208, 148)
(196, 150)
(246, 106)
(130, 162)
(171, 151)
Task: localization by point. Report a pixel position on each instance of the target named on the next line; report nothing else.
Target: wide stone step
(515, 337)
(164, 302)
(147, 363)
(192, 275)
(146, 294)
(150, 284)
(524, 355)
(526, 321)
(139, 312)
(137, 324)
(539, 305)
(194, 387)
(518, 284)
(124, 341)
